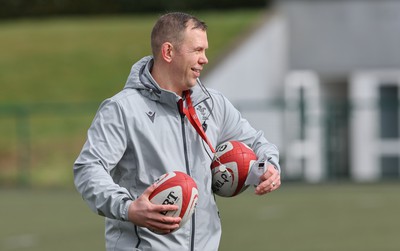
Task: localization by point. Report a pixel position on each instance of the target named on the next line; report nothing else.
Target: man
(143, 132)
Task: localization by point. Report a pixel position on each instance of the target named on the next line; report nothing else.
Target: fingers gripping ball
(230, 168)
(176, 188)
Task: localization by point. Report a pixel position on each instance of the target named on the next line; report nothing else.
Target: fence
(40, 142)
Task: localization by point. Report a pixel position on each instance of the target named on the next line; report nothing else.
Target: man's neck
(163, 79)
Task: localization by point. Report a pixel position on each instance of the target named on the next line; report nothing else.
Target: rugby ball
(176, 188)
(230, 167)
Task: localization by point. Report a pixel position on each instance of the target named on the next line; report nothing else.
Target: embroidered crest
(202, 111)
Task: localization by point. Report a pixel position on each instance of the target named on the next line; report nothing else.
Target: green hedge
(43, 8)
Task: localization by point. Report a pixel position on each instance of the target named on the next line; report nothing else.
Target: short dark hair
(170, 28)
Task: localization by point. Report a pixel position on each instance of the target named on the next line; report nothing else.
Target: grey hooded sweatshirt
(138, 135)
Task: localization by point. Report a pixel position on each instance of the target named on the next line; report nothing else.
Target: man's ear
(167, 51)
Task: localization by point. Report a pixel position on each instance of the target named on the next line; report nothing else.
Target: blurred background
(321, 78)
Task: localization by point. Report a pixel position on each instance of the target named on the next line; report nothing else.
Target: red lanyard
(194, 120)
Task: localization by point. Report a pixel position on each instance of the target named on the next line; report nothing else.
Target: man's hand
(269, 181)
(143, 213)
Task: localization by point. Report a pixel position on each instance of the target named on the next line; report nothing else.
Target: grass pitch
(296, 217)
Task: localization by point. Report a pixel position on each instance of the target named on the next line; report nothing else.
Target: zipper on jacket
(187, 171)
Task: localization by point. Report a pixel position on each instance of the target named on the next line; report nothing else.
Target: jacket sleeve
(235, 127)
(105, 145)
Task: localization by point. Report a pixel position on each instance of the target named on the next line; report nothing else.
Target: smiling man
(178, 57)
(147, 130)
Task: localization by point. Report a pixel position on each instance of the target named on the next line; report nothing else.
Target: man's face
(189, 58)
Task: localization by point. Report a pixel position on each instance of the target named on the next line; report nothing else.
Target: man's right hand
(143, 213)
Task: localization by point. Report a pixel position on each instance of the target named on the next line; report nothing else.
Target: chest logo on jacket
(203, 111)
(151, 115)
(204, 115)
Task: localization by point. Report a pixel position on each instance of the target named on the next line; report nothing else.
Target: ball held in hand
(230, 167)
(176, 188)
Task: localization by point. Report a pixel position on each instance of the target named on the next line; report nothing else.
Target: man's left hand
(269, 181)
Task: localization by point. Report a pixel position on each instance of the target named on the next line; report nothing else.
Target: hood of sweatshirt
(141, 79)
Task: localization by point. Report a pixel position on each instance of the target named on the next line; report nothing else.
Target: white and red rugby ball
(230, 167)
(176, 188)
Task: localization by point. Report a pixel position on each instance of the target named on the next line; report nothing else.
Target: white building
(336, 66)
